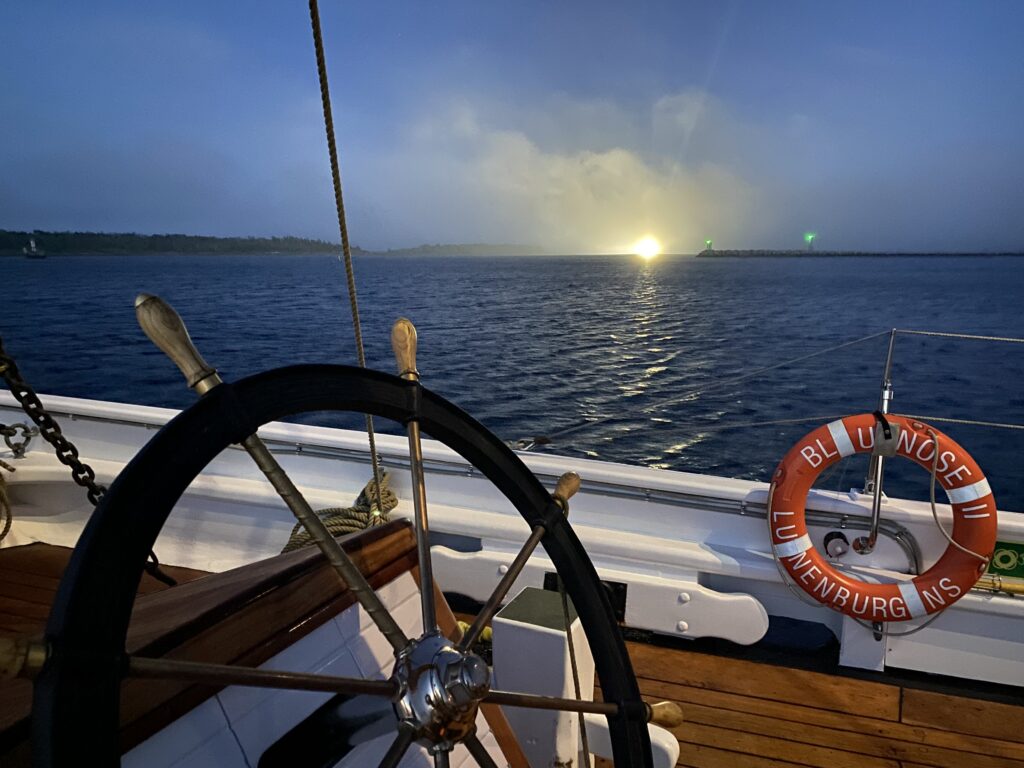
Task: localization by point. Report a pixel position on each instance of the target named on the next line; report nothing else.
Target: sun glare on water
(647, 247)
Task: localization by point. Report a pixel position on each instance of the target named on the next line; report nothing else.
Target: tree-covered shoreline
(77, 243)
(129, 243)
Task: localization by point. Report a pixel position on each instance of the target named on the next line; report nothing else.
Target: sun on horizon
(647, 247)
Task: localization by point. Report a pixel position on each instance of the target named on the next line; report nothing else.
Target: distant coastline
(805, 254)
(129, 243)
(13, 242)
(464, 249)
(81, 243)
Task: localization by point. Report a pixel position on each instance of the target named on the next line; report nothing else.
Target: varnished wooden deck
(29, 576)
(746, 714)
(739, 713)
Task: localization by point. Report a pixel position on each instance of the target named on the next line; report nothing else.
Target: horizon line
(509, 249)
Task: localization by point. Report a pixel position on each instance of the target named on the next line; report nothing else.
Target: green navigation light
(707, 243)
(809, 237)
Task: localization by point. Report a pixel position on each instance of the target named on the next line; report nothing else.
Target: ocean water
(538, 346)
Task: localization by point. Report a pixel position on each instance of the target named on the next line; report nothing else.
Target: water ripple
(532, 346)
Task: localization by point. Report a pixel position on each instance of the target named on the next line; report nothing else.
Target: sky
(575, 127)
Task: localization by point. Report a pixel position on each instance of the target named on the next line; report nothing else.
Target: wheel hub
(440, 689)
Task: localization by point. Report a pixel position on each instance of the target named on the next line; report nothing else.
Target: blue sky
(575, 126)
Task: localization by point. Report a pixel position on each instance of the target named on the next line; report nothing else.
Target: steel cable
(339, 204)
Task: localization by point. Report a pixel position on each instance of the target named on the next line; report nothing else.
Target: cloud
(677, 116)
(460, 176)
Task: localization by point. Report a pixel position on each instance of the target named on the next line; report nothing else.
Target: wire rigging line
(966, 422)
(339, 204)
(967, 336)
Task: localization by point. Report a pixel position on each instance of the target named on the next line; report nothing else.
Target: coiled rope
(365, 513)
(5, 508)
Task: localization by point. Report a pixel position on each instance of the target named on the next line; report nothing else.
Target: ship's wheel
(75, 709)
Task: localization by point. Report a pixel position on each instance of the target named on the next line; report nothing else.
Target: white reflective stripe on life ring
(794, 547)
(842, 440)
(972, 492)
(915, 606)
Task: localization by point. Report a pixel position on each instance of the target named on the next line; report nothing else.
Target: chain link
(49, 430)
(18, 447)
(67, 453)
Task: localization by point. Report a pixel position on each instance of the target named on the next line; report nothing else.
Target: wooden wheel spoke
(403, 342)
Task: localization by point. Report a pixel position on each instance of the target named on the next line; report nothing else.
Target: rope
(784, 574)
(705, 427)
(5, 508)
(339, 204)
(739, 379)
(343, 520)
(584, 744)
(804, 598)
(968, 336)
(935, 512)
(935, 516)
(967, 422)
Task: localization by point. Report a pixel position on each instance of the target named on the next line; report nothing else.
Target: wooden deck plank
(697, 756)
(18, 626)
(812, 755)
(46, 560)
(149, 584)
(29, 578)
(960, 747)
(976, 717)
(700, 756)
(24, 609)
(846, 745)
(765, 681)
(11, 576)
(42, 565)
(33, 593)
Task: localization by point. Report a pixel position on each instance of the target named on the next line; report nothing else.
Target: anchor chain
(49, 430)
(67, 453)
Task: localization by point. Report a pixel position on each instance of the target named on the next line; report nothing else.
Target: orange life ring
(974, 521)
